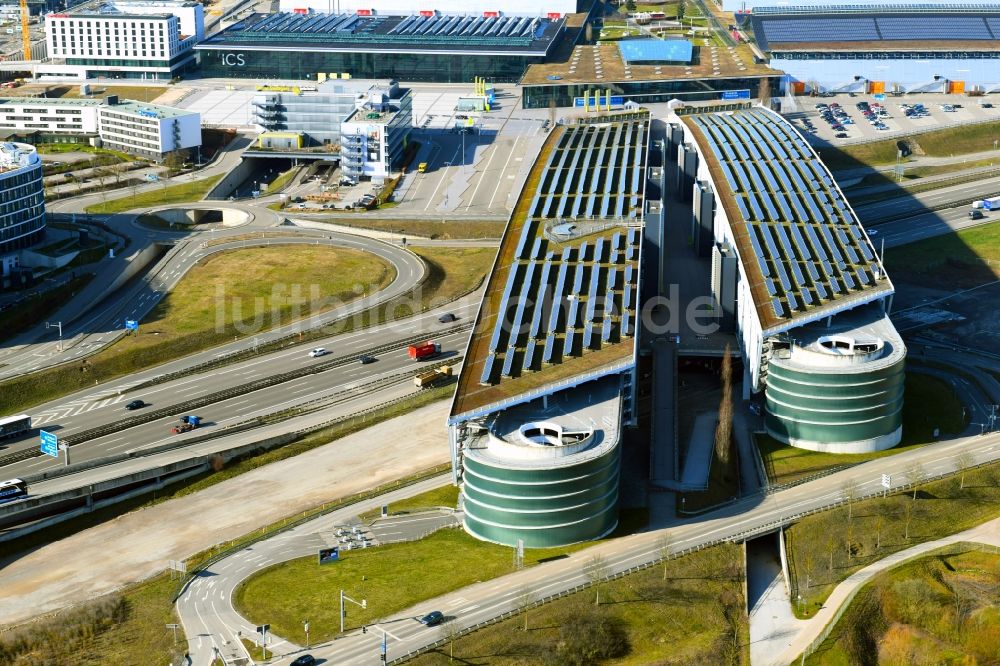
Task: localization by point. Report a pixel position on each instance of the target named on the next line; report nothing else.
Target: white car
(319, 351)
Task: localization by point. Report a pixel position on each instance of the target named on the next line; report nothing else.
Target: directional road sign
(50, 443)
(131, 325)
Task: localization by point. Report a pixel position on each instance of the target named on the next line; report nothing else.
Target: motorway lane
(484, 601)
(104, 404)
(894, 205)
(338, 383)
(101, 327)
(920, 227)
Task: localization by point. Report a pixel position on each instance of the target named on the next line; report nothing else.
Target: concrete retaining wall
(136, 264)
(228, 185)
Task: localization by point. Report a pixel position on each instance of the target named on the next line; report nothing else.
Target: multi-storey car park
(811, 297)
(549, 374)
(884, 47)
(417, 47)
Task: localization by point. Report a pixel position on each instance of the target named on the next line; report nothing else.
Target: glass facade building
(22, 199)
(218, 61)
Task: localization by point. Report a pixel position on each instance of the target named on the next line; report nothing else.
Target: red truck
(424, 351)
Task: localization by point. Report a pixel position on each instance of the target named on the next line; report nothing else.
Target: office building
(22, 202)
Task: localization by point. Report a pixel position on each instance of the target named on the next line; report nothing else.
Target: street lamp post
(58, 325)
(343, 597)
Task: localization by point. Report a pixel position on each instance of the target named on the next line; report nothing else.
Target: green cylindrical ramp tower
(838, 392)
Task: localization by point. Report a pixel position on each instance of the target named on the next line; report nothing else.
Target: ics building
(428, 46)
(22, 215)
(549, 378)
(809, 295)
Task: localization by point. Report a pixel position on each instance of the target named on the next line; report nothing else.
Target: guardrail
(737, 537)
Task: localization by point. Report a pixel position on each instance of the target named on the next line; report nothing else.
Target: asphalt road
(101, 326)
(921, 202)
(209, 618)
(104, 404)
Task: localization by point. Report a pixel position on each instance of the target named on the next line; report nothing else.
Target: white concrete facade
(133, 127)
(136, 40)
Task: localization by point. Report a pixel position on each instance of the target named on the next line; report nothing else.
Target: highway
(104, 404)
(99, 327)
(894, 205)
(209, 619)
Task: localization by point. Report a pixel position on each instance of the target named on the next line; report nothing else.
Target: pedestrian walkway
(809, 630)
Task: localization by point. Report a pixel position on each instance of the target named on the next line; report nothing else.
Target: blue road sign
(328, 555)
(131, 325)
(50, 443)
(735, 94)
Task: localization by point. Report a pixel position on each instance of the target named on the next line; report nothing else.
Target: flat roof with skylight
(656, 51)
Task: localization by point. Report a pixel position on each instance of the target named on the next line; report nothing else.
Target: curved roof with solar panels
(560, 305)
(803, 250)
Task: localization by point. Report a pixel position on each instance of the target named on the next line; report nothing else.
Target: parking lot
(851, 125)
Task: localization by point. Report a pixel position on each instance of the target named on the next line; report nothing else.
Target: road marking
(506, 164)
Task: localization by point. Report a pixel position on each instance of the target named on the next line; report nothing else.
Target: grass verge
(690, 612)
(966, 258)
(444, 496)
(24, 315)
(163, 196)
(942, 608)
(450, 229)
(939, 143)
(825, 548)
(928, 403)
(125, 627)
(208, 307)
(390, 577)
(281, 181)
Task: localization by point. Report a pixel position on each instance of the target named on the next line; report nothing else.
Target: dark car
(840, 135)
(447, 318)
(135, 404)
(304, 660)
(433, 618)
(365, 359)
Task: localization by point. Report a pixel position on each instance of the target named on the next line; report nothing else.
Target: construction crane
(25, 35)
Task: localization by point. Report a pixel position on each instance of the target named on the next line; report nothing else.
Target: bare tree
(849, 488)
(808, 562)
(449, 632)
(915, 473)
(596, 570)
(964, 461)
(831, 543)
(525, 598)
(663, 547)
(879, 524)
(724, 430)
(850, 540)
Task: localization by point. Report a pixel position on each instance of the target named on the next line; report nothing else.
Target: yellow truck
(432, 377)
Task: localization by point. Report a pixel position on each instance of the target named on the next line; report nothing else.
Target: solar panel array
(564, 299)
(797, 232)
(846, 28)
(415, 29)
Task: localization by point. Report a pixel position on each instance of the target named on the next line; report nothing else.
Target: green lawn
(827, 547)
(444, 496)
(693, 615)
(940, 609)
(122, 628)
(963, 259)
(233, 293)
(928, 403)
(389, 578)
(940, 143)
(282, 181)
(159, 196)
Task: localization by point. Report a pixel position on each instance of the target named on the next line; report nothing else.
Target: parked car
(431, 619)
(319, 351)
(135, 404)
(840, 135)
